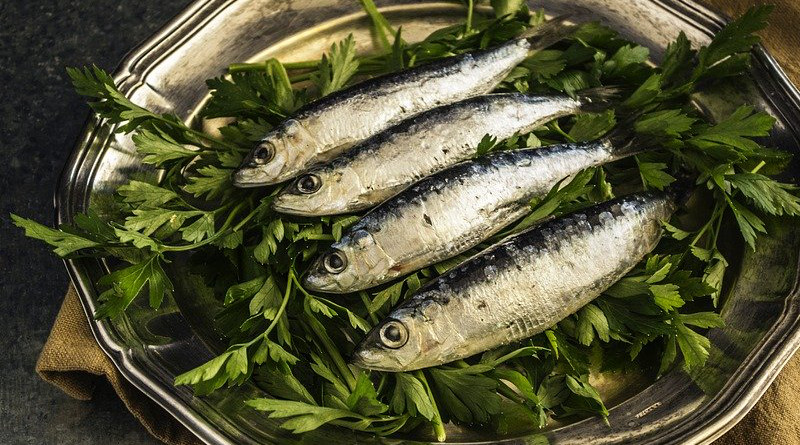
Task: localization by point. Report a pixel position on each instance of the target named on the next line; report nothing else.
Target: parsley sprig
(294, 343)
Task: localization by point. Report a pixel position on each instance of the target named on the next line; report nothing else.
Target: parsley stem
(213, 140)
(304, 65)
(281, 309)
(438, 426)
(333, 352)
(381, 383)
(758, 167)
(300, 77)
(555, 127)
(262, 66)
(288, 292)
(365, 300)
(264, 335)
(300, 286)
(319, 237)
(223, 231)
(244, 221)
(509, 393)
(468, 25)
(714, 216)
(719, 223)
(181, 126)
(379, 23)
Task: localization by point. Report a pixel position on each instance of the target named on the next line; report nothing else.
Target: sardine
(518, 287)
(383, 165)
(324, 128)
(450, 212)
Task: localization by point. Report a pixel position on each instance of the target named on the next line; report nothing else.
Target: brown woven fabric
(782, 37)
(72, 360)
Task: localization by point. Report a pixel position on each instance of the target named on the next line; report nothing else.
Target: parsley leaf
(64, 243)
(336, 67)
(735, 130)
(294, 343)
(364, 398)
(624, 58)
(749, 223)
(145, 195)
(665, 122)
(590, 320)
(211, 181)
(410, 396)
(694, 347)
(265, 94)
(201, 228)
(503, 8)
(737, 37)
(767, 194)
(127, 283)
(160, 148)
(654, 175)
(487, 144)
(589, 126)
(302, 417)
(466, 394)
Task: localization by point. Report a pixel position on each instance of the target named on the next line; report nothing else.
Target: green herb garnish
(294, 343)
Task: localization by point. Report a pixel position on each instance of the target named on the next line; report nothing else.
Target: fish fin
(599, 99)
(548, 33)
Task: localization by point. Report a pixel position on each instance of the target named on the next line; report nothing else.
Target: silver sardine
(519, 287)
(383, 165)
(326, 127)
(450, 212)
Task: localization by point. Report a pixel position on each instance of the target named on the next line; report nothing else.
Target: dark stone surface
(40, 118)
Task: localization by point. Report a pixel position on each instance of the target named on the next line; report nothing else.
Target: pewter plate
(167, 73)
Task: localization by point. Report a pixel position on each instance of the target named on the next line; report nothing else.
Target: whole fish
(450, 212)
(324, 128)
(383, 165)
(519, 287)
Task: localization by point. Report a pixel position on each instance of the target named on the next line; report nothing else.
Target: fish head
(281, 155)
(406, 340)
(355, 262)
(325, 190)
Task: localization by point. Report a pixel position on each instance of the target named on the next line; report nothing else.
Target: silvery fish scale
(168, 72)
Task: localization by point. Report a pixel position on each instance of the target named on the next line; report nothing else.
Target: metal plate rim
(784, 339)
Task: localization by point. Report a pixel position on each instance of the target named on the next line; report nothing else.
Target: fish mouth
(365, 358)
(249, 177)
(254, 174)
(299, 205)
(360, 359)
(287, 203)
(320, 282)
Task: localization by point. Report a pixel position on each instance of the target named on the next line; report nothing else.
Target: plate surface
(167, 73)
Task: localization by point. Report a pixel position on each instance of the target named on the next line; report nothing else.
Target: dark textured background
(40, 119)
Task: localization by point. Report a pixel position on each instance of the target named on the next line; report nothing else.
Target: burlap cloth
(72, 360)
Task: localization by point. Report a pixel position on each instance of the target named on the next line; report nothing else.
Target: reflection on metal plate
(168, 72)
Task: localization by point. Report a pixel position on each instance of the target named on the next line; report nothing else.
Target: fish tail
(548, 33)
(625, 142)
(682, 189)
(599, 99)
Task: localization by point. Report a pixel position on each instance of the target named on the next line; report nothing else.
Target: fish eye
(335, 261)
(263, 154)
(394, 334)
(308, 184)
